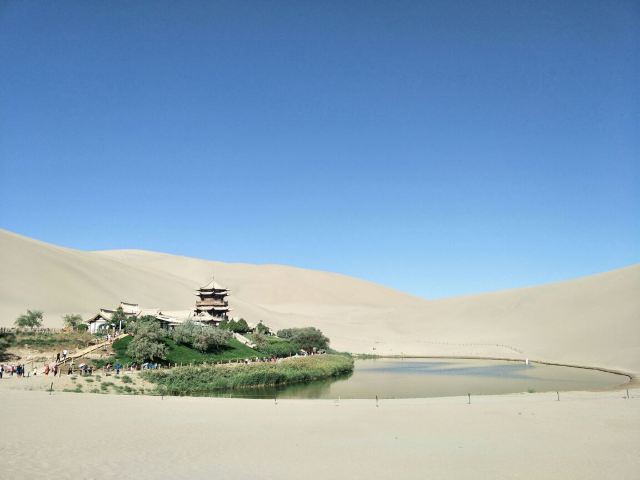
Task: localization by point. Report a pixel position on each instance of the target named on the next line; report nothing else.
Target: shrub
(273, 346)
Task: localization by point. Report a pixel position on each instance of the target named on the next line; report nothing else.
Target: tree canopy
(148, 340)
(119, 318)
(237, 326)
(72, 320)
(201, 337)
(31, 319)
(307, 339)
(262, 328)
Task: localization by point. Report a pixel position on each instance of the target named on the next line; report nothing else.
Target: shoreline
(630, 384)
(632, 378)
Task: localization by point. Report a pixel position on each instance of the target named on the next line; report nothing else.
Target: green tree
(119, 318)
(310, 339)
(210, 338)
(184, 332)
(6, 340)
(286, 332)
(262, 328)
(31, 319)
(307, 339)
(201, 337)
(241, 326)
(72, 320)
(260, 339)
(148, 340)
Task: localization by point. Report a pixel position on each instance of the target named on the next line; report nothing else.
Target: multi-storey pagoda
(212, 305)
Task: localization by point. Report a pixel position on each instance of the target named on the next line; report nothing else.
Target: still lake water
(419, 378)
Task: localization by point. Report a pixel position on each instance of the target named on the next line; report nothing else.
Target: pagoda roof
(212, 285)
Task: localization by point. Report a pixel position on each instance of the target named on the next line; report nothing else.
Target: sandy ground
(589, 321)
(526, 436)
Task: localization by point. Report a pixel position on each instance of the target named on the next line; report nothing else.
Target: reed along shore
(205, 379)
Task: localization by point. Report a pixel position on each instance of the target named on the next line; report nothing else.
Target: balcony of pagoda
(211, 302)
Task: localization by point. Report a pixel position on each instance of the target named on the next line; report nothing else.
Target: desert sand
(588, 321)
(586, 435)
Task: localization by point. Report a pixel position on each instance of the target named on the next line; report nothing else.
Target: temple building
(211, 308)
(212, 305)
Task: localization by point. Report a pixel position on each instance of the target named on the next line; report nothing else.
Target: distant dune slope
(593, 320)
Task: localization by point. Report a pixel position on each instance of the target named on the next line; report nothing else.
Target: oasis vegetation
(191, 352)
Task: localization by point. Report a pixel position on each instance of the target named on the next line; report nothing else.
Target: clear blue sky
(441, 148)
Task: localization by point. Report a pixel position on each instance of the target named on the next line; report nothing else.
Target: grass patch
(104, 386)
(126, 379)
(200, 380)
(88, 380)
(177, 354)
(275, 346)
(43, 341)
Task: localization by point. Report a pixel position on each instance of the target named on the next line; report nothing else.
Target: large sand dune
(593, 320)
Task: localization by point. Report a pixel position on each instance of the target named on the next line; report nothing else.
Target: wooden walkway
(92, 348)
(244, 340)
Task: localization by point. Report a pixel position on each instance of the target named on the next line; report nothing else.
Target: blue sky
(441, 148)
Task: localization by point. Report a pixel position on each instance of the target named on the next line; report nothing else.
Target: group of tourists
(62, 356)
(117, 367)
(18, 370)
(85, 369)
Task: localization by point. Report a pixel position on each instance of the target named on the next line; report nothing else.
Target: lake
(419, 378)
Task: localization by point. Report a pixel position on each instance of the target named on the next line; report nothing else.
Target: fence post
(558, 394)
(469, 395)
(376, 401)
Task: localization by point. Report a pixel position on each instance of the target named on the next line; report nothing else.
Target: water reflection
(415, 378)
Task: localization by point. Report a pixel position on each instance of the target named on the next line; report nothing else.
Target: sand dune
(593, 320)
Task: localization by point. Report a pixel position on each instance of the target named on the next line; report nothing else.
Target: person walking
(65, 352)
(58, 357)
